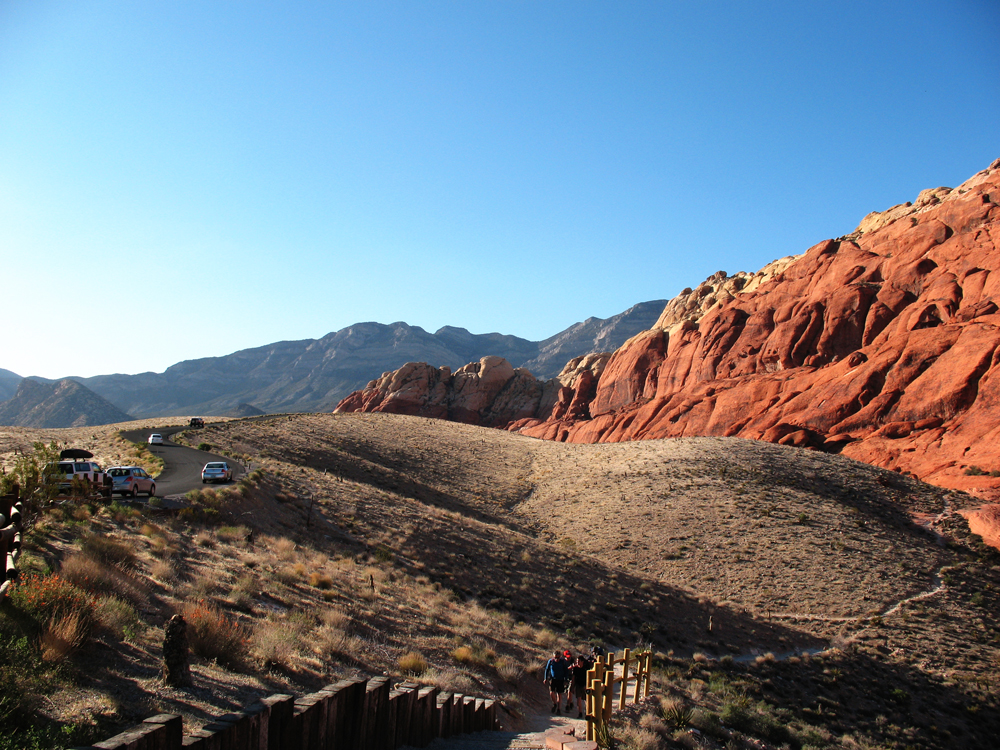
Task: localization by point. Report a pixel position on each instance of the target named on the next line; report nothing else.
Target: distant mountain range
(315, 374)
(63, 403)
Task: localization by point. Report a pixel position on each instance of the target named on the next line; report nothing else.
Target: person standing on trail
(578, 679)
(556, 673)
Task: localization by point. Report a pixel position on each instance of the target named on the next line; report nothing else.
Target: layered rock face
(883, 344)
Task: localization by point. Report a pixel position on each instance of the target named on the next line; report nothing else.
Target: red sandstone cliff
(883, 344)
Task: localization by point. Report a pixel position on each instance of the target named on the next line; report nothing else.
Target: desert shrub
(284, 548)
(119, 617)
(546, 638)
(974, 471)
(320, 580)
(31, 472)
(205, 539)
(475, 654)
(97, 577)
(707, 722)
(277, 640)
(637, 738)
(163, 571)
(204, 446)
(63, 634)
(413, 663)
(242, 593)
(753, 722)
(231, 534)
(450, 680)
(203, 585)
(509, 669)
(675, 713)
(212, 635)
(52, 597)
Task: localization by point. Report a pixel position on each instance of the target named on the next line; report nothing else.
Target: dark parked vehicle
(131, 480)
(197, 422)
(216, 471)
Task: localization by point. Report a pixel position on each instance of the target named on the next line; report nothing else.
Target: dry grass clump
(213, 635)
(232, 534)
(108, 550)
(98, 577)
(203, 586)
(163, 571)
(509, 669)
(205, 539)
(412, 663)
(477, 653)
(277, 640)
(62, 635)
(637, 738)
(118, 617)
(284, 548)
(242, 594)
(320, 580)
(450, 680)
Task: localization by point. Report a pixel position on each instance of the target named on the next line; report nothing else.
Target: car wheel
(152, 491)
(135, 492)
(204, 481)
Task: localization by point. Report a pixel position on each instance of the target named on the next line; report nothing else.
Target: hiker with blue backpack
(556, 676)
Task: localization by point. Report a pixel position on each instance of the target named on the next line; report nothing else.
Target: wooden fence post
(626, 654)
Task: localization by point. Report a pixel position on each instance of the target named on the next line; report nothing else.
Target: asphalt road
(181, 465)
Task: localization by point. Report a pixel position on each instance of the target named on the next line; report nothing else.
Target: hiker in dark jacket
(578, 679)
(556, 674)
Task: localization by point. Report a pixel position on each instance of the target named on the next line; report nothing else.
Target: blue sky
(186, 179)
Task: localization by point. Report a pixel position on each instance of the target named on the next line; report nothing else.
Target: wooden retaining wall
(351, 714)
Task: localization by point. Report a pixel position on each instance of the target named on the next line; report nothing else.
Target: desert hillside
(457, 554)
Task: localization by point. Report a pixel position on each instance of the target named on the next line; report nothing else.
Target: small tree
(37, 476)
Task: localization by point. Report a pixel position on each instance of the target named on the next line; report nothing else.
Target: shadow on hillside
(581, 597)
(883, 698)
(397, 472)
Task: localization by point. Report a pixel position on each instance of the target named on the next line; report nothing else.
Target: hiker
(568, 658)
(578, 678)
(556, 672)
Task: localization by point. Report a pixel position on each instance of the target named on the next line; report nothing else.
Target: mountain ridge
(316, 374)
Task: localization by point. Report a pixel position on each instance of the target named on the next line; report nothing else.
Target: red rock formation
(883, 344)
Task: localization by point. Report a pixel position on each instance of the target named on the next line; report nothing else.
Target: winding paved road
(181, 465)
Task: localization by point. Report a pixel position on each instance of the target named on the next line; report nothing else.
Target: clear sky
(189, 178)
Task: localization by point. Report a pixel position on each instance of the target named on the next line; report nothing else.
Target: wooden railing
(10, 537)
(601, 683)
(353, 714)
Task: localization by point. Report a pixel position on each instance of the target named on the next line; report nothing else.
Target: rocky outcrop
(883, 344)
(64, 403)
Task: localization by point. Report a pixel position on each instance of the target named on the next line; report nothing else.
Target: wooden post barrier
(348, 714)
(601, 683)
(11, 510)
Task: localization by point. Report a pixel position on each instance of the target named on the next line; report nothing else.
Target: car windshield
(154, 435)
(118, 472)
(215, 466)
